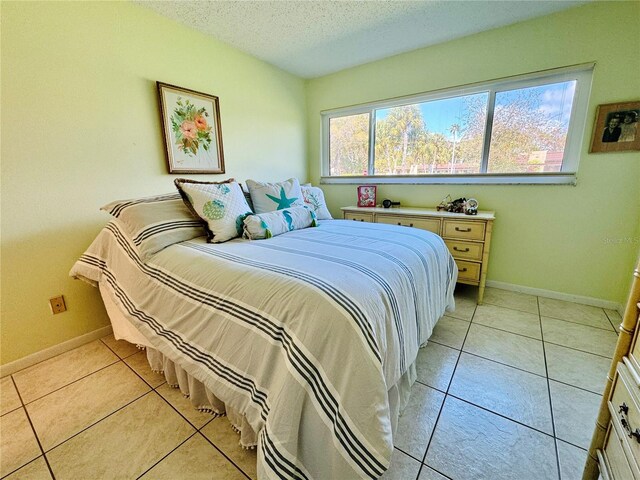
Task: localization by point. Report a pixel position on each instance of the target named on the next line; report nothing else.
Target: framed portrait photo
(367, 196)
(616, 128)
(191, 129)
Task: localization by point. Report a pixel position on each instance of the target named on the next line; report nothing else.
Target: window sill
(557, 178)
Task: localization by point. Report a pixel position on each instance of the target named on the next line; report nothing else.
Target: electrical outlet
(57, 305)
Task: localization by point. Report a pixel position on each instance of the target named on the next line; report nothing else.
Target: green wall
(579, 240)
(80, 127)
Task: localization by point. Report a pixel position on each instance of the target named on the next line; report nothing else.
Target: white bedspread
(303, 333)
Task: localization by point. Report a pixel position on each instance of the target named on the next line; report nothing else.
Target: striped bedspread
(303, 333)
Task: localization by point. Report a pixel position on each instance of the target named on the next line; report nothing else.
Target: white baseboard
(540, 292)
(47, 353)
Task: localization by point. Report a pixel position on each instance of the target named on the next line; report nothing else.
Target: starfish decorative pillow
(268, 197)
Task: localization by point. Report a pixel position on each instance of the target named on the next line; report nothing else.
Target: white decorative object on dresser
(615, 447)
(468, 237)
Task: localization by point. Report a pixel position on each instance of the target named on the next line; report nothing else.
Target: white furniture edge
(37, 357)
(540, 292)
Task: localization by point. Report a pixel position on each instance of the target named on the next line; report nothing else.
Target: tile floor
(506, 390)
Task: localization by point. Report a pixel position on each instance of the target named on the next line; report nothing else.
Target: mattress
(303, 334)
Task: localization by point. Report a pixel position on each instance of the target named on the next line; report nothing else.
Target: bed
(306, 341)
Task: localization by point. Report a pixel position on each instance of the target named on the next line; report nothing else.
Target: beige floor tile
(141, 366)
(470, 444)
(576, 368)
(418, 419)
(514, 300)
(73, 408)
(450, 332)
(574, 413)
(184, 406)
(574, 312)
(18, 444)
(123, 445)
(35, 470)
(572, 460)
(465, 306)
(513, 321)
(219, 431)
(435, 365)
(518, 395)
(196, 459)
(47, 376)
(9, 399)
(504, 347)
(122, 348)
(402, 467)
(580, 337)
(428, 473)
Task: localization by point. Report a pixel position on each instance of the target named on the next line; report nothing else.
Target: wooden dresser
(615, 447)
(468, 237)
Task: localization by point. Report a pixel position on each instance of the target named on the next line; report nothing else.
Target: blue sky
(555, 101)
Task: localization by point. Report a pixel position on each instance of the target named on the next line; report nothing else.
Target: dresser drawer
(465, 250)
(468, 271)
(359, 217)
(615, 462)
(463, 229)
(624, 405)
(430, 224)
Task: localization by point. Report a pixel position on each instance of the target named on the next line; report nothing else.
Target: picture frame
(191, 130)
(616, 128)
(367, 196)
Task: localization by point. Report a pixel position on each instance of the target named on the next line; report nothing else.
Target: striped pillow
(154, 223)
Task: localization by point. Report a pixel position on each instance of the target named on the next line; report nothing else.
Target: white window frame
(581, 73)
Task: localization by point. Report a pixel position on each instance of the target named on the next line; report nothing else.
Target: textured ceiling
(311, 38)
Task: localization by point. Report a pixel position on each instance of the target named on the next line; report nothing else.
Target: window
(526, 129)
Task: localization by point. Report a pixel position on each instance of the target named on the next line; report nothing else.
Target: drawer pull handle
(460, 249)
(399, 223)
(458, 229)
(623, 411)
(462, 269)
(362, 219)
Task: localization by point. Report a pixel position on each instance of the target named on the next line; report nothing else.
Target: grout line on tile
(506, 331)
(443, 345)
(67, 384)
(615, 329)
(35, 434)
(99, 420)
(223, 454)
(114, 352)
(501, 415)
(505, 364)
(168, 453)
(178, 411)
(485, 302)
(435, 425)
(141, 377)
(575, 386)
(578, 323)
(546, 368)
(578, 350)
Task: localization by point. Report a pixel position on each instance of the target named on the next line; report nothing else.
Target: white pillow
(267, 197)
(267, 225)
(314, 199)
(154, 223)
(222, 206)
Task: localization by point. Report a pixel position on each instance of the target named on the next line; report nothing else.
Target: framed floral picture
(616, 128)
(192, 131)
(367, 196)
